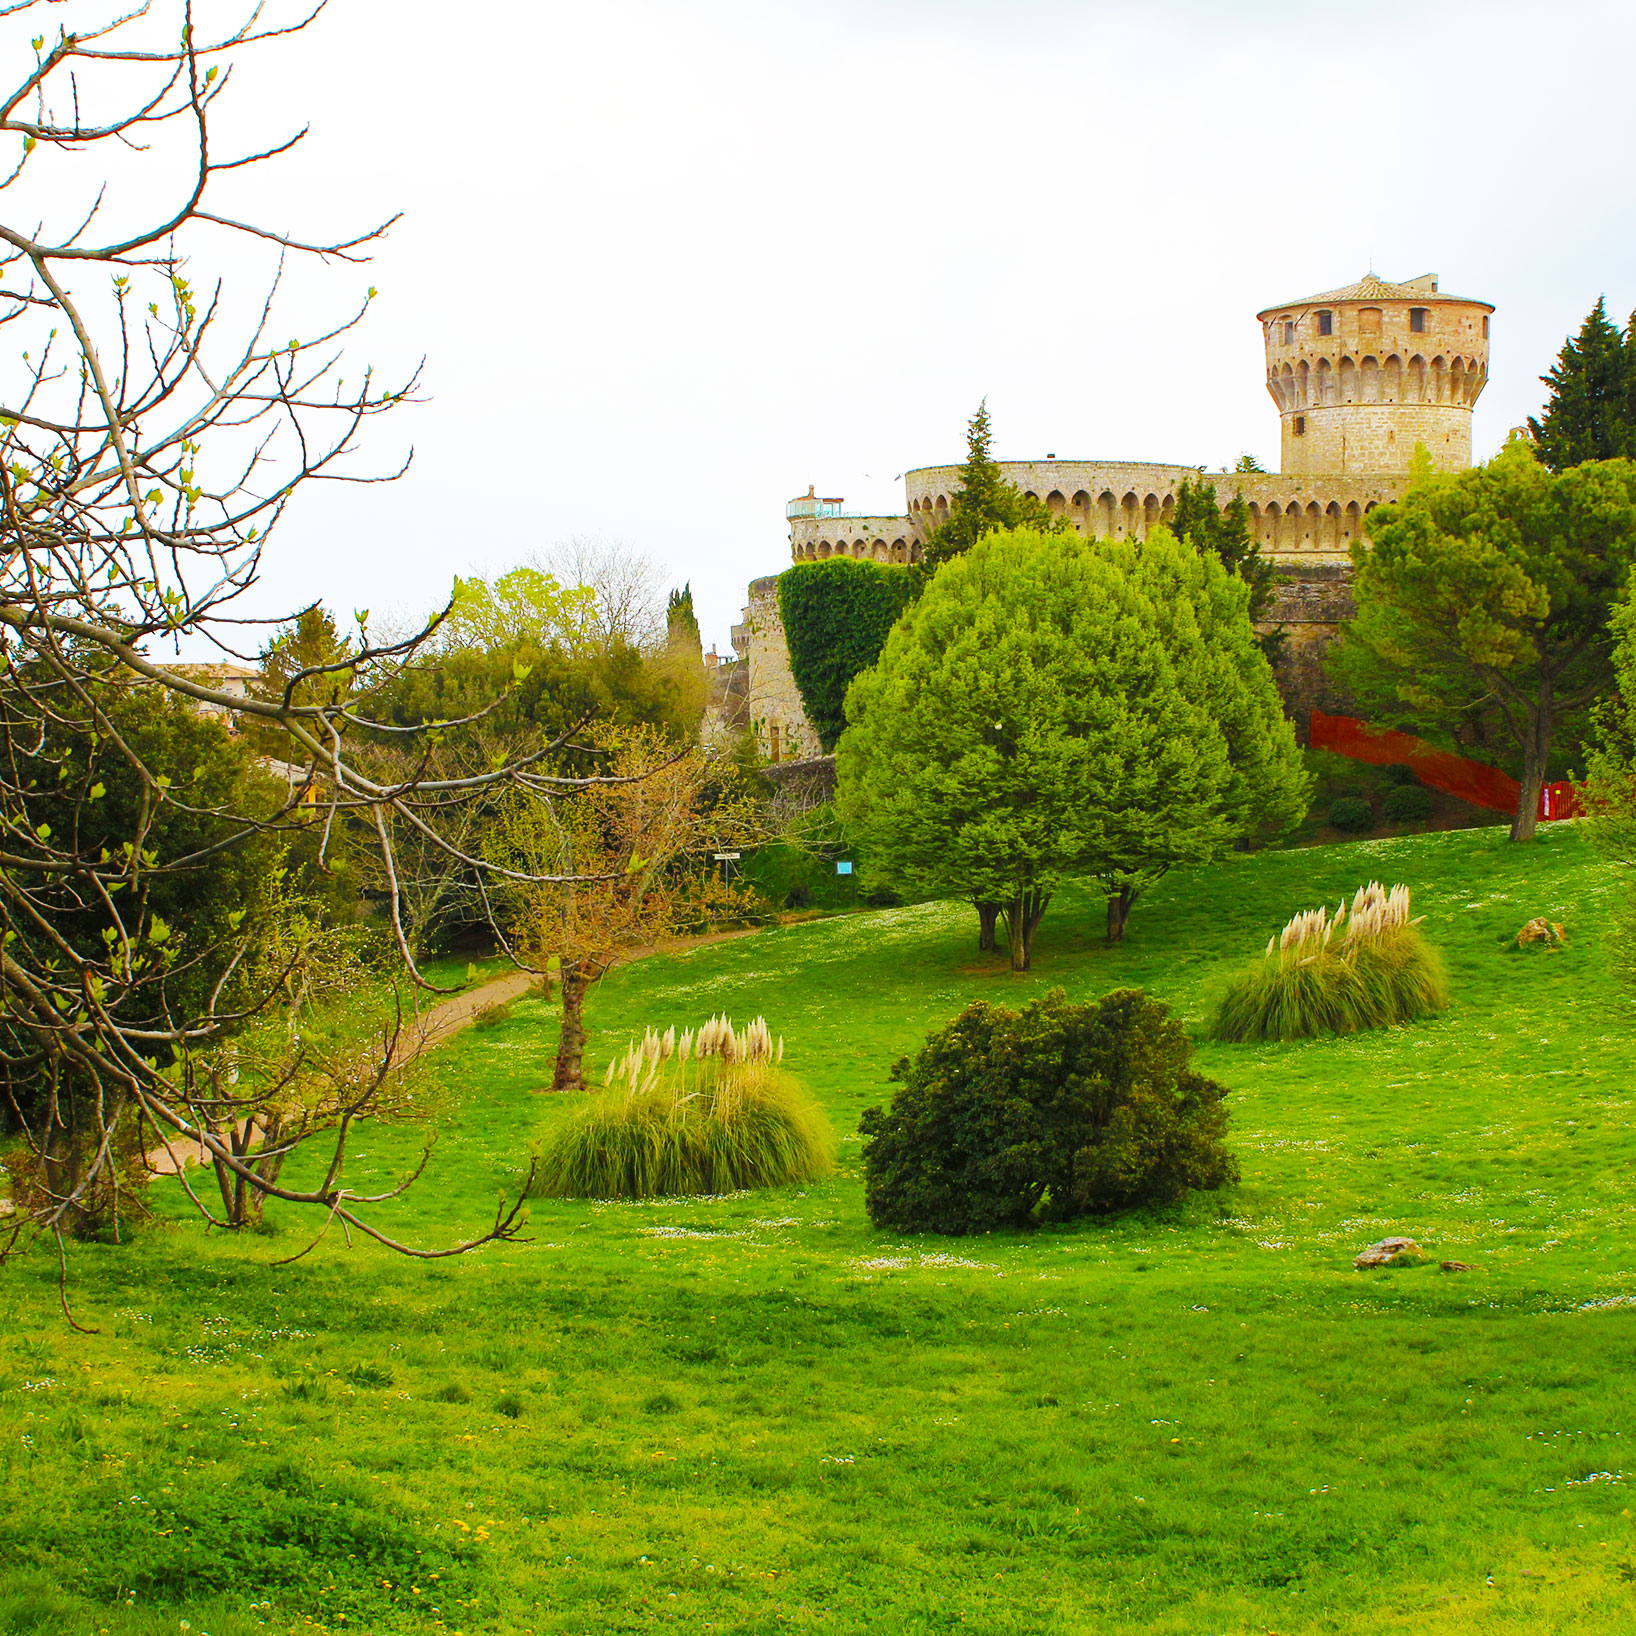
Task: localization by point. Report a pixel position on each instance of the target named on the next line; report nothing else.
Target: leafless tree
(630, 588)
(154, 428)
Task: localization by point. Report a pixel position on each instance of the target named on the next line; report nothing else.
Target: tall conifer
(1591, 413)
(984, 502)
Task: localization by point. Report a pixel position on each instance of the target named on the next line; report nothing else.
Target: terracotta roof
(1374, 288)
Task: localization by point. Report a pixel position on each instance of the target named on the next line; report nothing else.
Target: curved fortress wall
(1360, 376)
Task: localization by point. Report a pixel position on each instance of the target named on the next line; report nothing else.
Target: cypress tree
(681, 626)
(1591, 412)
(985, 502)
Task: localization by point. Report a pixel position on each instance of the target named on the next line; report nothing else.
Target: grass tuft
(712, 1114)
(1334, 974)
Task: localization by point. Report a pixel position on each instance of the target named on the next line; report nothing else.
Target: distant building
(1361, 375)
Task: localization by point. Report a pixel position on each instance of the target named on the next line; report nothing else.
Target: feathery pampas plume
(1367, 967)
(707, 1111)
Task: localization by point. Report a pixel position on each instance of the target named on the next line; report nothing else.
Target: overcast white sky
(669, 263)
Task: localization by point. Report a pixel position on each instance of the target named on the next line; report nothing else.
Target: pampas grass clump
(706, 1112)
(1337, 974)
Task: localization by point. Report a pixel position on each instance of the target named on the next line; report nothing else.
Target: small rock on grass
(1456, 1266)
(1390, 1252)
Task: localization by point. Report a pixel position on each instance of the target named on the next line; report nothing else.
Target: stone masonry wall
(777, 716)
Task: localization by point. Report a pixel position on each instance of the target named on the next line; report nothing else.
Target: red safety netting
(1473, 781)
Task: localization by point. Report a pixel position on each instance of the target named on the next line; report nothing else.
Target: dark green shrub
(510, 1405)
(836, 615)
(1398, 773)
(799, 896)
(1352, 813)
(369, 1375)
(1050, 1112)
(1407, 803)
(452, 1392)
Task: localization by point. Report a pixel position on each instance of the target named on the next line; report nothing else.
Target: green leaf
(158, 930)
(28, 144)
(96, 791)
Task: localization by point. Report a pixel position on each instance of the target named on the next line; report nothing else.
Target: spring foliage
(708, 1112)
(836, 617)
(1488, 592)
(1050, 1112)
(1337, 974)
(1054, 707)
(1591, 412)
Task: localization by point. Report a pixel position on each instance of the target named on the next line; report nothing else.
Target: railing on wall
(1473, 781)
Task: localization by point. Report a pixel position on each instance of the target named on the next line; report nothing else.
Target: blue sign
(844, 867)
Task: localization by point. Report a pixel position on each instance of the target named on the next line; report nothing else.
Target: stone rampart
(777, 716)
(1313, 601)
(874, 539)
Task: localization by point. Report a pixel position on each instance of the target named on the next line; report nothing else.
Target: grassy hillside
(757, 1414)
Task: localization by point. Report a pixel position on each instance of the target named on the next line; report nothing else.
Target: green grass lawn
(757, 1414)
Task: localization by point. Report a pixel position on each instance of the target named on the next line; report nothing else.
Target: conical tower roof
(1371, 287)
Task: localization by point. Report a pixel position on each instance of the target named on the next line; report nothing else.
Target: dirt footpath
(443, 1021)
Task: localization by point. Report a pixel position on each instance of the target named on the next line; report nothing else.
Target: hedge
(836, 615)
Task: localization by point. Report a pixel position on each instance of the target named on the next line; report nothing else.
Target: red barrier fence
(1473, 781)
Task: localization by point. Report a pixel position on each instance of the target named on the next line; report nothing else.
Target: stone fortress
(1361, 375)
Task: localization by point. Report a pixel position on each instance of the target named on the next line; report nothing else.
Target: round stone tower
(1361, 375)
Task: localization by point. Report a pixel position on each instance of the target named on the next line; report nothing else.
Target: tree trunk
(1536, 752)
(570, 1074)
(987, 915)
(1022, 919)
(1119, 912)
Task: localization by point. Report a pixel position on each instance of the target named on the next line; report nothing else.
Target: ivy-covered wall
(836, 615)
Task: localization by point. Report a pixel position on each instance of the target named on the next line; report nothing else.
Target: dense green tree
(1610, 784)
(681, 623)
(1248, 463)
(311, 642)
(522, 606)
(984, 503)
(1036, 716)
(174, 928)
(1491, 589)
(1204, 612)
(1207, 525)
(1591, 412)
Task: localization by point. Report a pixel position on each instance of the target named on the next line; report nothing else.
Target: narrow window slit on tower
(1300, 425)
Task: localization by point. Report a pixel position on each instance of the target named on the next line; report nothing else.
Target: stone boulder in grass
(1390, 1252)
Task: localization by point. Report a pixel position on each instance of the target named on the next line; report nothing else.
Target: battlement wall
(873, 539)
